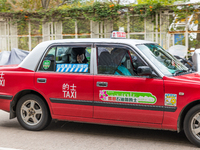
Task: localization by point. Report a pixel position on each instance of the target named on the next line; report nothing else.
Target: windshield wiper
(179, 72)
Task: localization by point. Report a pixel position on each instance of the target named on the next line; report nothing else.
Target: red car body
(82, 103)
(18, 79)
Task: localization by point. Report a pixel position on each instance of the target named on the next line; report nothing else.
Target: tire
(32, 113)
(191, 125)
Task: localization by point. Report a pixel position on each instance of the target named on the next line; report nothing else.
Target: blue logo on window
(72, 68)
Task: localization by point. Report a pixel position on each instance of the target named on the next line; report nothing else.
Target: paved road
(79, 136)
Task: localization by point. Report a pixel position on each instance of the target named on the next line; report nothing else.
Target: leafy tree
(28, 4)
(4, 6)
(164, 2)
(198, 34)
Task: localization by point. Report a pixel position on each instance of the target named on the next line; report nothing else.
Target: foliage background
(21, 11)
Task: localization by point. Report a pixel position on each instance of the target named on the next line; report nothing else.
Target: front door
(64, 77)
(119, 93)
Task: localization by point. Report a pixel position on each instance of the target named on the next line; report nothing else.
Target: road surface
(81, 136)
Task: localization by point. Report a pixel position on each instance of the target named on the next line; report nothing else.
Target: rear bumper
(5, 102)
(5, 105)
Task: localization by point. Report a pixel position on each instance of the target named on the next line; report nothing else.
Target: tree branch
(43, 4)
(14, 5)
(65, 2)
(118, 2)
(47, 4)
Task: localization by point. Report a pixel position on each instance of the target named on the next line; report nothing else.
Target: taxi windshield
(163, 60)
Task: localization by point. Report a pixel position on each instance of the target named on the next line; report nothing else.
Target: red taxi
(121, 82)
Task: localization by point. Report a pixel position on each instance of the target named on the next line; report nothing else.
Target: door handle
(41, 80)
(102, 84)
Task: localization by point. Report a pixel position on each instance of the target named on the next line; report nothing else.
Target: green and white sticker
(46, 64)
(126, 96)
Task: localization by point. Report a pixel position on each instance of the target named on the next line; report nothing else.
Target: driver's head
(77, 52)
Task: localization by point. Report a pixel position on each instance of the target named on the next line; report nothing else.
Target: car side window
(118, 61)
(48, 62)
(67, 59)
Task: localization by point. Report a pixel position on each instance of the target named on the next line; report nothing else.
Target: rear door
(67, 83)
(119, 93)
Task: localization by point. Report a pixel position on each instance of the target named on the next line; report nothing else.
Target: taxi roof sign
(118, 35)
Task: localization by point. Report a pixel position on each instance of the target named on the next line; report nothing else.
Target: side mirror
(144, 71)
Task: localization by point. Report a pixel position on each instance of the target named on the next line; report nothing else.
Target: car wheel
(192, 125)
(32, 113)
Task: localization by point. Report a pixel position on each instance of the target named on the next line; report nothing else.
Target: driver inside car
(78, 55)
(121, 69)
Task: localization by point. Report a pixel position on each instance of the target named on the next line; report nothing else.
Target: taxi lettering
(69, 91)
(2, 80)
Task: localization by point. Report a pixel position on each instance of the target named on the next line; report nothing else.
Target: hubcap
(31, 112)
(195, 126)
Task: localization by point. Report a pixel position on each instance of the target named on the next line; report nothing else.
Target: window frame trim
(140, 55)
(79, 44)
